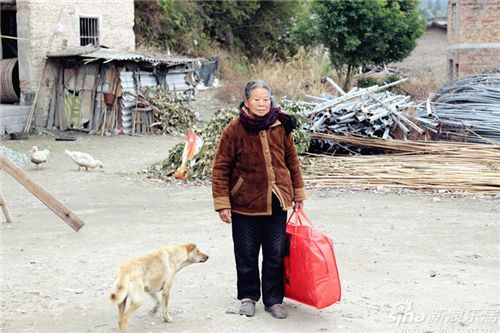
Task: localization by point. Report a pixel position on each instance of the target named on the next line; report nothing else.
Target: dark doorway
(9, 28)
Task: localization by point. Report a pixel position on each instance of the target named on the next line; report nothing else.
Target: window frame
(92, 30)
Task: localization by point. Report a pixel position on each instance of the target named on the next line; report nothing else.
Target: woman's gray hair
(254, 84)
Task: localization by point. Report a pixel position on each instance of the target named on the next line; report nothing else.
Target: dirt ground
(408, 262)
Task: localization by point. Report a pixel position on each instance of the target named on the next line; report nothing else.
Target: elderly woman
(256, 178)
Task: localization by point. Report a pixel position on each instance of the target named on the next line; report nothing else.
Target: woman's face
(259, 102)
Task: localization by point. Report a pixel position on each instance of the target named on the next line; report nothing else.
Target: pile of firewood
(158, 110)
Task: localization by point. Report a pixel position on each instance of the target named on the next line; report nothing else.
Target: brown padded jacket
(250, 166)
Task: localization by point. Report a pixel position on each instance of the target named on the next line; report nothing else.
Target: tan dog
(151, 273)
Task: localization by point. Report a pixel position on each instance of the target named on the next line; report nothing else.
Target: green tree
(221, 18)
(366, 32)
(433, 8)
(255, 27)
(267, 31)
(176, 25)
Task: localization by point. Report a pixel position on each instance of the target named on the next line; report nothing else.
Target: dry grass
(421, 86)
(295, 77)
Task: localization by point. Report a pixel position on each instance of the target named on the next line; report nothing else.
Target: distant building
(429, 56)
(73, 63)
(473, 37)
(31, 29)
(39, 25)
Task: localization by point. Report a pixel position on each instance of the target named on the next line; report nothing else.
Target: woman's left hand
(298, 205)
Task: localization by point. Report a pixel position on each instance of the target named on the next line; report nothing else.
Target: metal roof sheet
(92, 53)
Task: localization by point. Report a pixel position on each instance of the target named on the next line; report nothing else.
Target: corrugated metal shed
(136, 72)
(92, 53)
(175, 81)
(129, 92)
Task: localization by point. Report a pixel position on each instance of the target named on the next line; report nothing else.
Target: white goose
(84, 160)
(38, 156)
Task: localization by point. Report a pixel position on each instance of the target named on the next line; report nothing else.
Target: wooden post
(42, 194)
(42, 74)
(5, 209)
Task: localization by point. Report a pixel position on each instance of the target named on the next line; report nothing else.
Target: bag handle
(299, 215)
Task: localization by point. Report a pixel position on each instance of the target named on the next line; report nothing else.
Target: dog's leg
(124, 323)
(157, 304)
(121, 309)
(135, 296)
(165, 296)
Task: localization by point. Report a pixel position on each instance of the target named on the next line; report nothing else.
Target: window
(89, 31)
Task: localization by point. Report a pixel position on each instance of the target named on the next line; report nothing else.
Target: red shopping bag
(311, 275)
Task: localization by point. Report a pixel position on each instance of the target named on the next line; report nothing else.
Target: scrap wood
(5, 209)
(42, 194)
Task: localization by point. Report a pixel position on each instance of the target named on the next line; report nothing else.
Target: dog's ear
(190, 247)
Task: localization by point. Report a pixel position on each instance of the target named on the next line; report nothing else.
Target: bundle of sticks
(462, 167)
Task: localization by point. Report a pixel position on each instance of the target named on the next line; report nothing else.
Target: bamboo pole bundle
(412, 147)
(473, 169)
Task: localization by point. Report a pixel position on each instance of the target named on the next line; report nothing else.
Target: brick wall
(473, 36)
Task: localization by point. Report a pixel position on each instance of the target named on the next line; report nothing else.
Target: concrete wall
(473, 36)
(37, 20)
(12, 118)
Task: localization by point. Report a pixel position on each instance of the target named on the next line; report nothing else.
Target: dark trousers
(249, 234)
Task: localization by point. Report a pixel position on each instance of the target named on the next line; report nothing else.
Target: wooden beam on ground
(42, 194)
(5, 209)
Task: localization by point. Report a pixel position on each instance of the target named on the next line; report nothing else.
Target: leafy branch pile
(201, 166)
(170, 114)
(301, 136)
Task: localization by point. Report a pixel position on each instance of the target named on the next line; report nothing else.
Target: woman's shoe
(247, 307)
(278, 311)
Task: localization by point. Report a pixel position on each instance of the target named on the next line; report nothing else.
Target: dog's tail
(121, 289)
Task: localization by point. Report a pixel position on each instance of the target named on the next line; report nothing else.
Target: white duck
(38, 156)
(84, 160)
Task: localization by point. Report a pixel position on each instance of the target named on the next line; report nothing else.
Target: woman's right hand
(225, 215)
